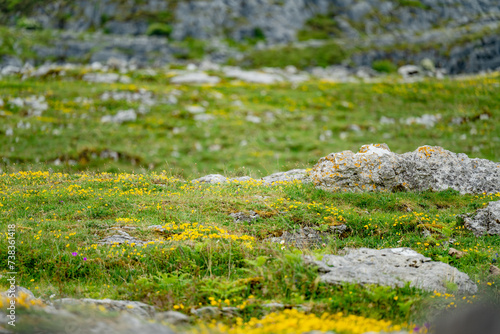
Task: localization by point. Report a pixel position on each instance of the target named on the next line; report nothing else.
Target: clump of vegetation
(159, 29)
(319, 27)
(325, 55)
(384, 66)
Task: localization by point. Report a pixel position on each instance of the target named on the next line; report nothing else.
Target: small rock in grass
(274, 306)
(485, 221)
(132, 307)
(172, 317)
(455, 253)
(391, 267)
(211, 179)
(240, 217)
(494, 271)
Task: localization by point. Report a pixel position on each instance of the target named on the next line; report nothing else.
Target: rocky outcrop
(376, 168)
(299, 175)
(485, 221)
(391, 267)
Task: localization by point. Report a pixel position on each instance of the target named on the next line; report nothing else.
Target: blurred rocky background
(457, 36)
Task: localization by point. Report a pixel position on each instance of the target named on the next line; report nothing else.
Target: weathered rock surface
(172, 317)
(132, 307)
(240, 217)
(376, 168)
(300, 175)
(121, 238)
(391, 267)
(303, 238)
(195, 78)
(485, 221)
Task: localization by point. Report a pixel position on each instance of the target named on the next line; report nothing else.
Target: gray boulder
(291, 175)
(303, 238)
(172, 317)
(240, 217)
(485, 221)
(121, 238)
(376, 168)
(132, 307)
(391, 267)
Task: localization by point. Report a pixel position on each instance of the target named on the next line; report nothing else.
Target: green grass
(57, 215)
(70, 208)
(299, 123)
(325, 55)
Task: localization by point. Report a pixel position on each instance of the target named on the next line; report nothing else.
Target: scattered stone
(339, 229)
(485, 221)
(494, 271)
(195, 109)
(240, 217)
(212, 179)
(409, 71)
(376, 168)
(132, 307)
(291, 175)
(121, 238)
(252, 76)
(303, 238)
(172, 317)
(455, 253)
(391, 267)
(428, 120)
(19, 290)
(195, 78)
(274, 306)
(106, 78)
(120, 117)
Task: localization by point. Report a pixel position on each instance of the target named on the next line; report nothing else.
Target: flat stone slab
(391, 267)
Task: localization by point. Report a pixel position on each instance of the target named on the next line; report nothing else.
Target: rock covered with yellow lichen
(376, 168)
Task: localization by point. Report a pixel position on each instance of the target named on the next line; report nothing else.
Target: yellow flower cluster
(196, 231)
(23, 300)
(294, 321)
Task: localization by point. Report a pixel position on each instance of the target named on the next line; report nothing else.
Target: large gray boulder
(376, 168)
(485, 221)
(391, 267)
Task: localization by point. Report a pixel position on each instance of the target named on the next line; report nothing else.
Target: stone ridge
(376, 168)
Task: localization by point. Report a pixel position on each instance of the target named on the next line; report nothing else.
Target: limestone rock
(408, 71)
(303, 238)
(121, 238)
(455, 253)
(172, 317)
(391, 267)
(132, 307)
(376, 168)
(195, 78)
(121, 116)
(253, 76)
(494, 271)
(240, 217)
(291, 175)
(211, 178)
(485, 221)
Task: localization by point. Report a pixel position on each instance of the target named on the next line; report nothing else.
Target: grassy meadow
(137, 174)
